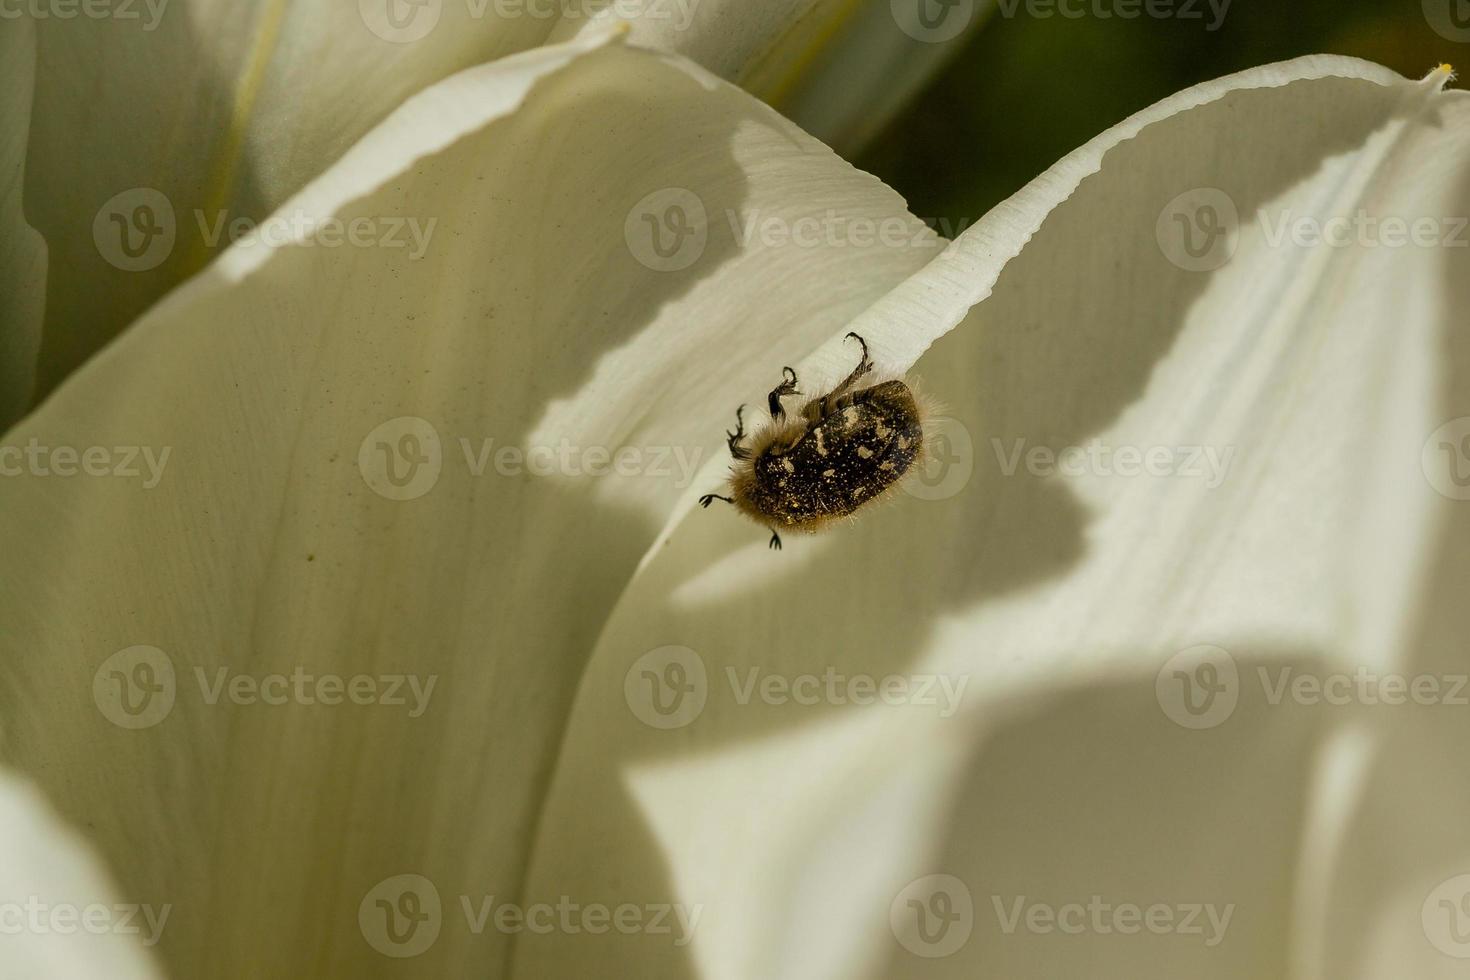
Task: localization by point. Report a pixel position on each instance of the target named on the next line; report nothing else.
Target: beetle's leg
(828, 404)
(710, 498)
(775, 541)
(786, 387)
(733, 441)
(865, 364)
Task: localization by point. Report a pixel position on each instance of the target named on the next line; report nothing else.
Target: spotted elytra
(839, 451)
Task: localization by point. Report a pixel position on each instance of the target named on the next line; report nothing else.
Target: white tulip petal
(59, 916)
(1394, 902)
(164, 131)
(208, 113)
(327, 411)
(1276, 519)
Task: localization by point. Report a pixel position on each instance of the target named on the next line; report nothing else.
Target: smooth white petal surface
(1248, 499)
(61, 916)
(1395, 901)
(615, 246)
(160, 132)
(206, 110)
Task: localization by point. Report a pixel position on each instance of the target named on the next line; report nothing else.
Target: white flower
(624, 248)
(138, 140)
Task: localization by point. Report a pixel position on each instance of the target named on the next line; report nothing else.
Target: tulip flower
(147, 138)
(358, 619)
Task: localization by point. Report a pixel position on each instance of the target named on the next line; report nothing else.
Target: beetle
(807, 469)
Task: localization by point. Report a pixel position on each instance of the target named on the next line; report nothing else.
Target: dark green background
(1026, 91)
